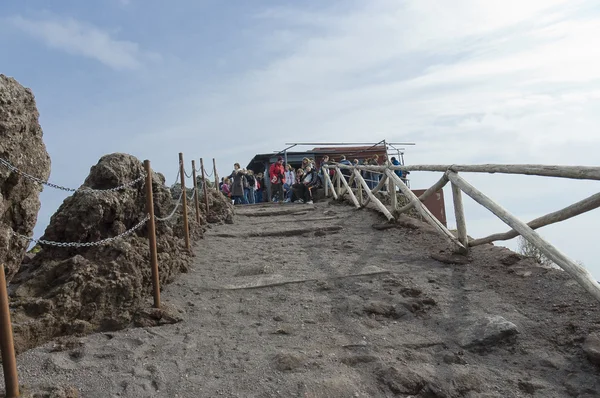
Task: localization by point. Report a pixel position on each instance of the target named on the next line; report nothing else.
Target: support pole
(152, 235)
(186, 230)
(326, 186)
(380, 205)
(196, 203)
(459, 213)
(425, 213)
(338, 185)
(393, 196)
(579, 273)
(204, 185)
(9, 362)
(343, 179)
(216, 175)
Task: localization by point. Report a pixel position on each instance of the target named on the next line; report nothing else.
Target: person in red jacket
(277, 177)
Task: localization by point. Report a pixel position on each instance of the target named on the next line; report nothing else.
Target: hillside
(353, 311)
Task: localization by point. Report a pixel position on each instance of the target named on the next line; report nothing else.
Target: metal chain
(173, 212)
(51, 185)
(84, 244)
(208, 175)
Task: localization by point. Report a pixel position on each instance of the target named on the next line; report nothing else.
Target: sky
(468, 81)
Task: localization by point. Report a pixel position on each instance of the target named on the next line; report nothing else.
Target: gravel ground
(312, 301)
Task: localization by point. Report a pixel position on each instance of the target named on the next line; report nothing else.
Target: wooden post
(7, 345)
(152, 235)
(579, 273)
(393, 197)
(459, 213)
(338, 185)
(204, 187)
(326, 187)
(433, 189)
(359, 188)
(354, 200)
(216, 175)
(196, 202)
(186, 230)
(425, 213)
(380, 205)
(329, 183)
(585, 205)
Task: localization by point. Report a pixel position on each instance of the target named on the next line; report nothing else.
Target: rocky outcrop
(21, 145)
(76, 290)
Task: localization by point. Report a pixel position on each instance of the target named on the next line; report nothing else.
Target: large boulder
(21, 145)
(75, 290)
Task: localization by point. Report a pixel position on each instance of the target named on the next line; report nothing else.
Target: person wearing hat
(277, 176)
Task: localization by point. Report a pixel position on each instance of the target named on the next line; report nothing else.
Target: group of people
(289, 185)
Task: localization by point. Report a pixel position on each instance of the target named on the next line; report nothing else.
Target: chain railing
(84, 244)
(9, 365)
(67, 189)
(172, 212)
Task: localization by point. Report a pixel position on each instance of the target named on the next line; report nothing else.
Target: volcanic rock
(21, 145)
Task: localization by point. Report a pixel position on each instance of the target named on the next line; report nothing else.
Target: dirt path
(378, 318)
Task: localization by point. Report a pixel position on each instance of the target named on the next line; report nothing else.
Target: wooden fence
(338, 187)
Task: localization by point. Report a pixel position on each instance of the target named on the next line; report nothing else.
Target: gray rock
(401, 379)
(591, 347)
(21, 145)
(488, 331)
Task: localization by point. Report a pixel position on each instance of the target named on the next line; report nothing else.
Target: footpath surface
(312, 301)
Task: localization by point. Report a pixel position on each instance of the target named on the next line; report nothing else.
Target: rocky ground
(313, 301)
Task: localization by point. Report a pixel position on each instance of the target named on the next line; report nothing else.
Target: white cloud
(86, 40)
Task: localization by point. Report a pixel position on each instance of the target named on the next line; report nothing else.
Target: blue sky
(468, 81)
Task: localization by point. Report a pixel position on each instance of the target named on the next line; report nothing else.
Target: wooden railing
(339, 187)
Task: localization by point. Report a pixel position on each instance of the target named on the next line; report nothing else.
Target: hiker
(260, 188)
(345, 172)
(277, 176)
(251, 190)
(400, 173)
(225, 187)
(237, 185)
(310, 182)
(290, 178)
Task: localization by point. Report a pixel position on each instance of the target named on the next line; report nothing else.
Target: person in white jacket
(290, 178)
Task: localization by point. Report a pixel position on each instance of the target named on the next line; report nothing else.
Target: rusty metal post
(152, 235)
(186, 230)
(196, 205)
(204, 185)
(9, 362)
(216, 175)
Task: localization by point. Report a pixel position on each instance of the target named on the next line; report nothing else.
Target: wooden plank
(579, 273)
(573, 210)
(574, 172)
(430, 218)
(380, 185)
(393, 197)
(459, 213)
(328, 181)
(347, 187)
(379, 205)
(433, 189)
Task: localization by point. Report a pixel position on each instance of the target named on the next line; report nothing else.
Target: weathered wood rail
(338, 187)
